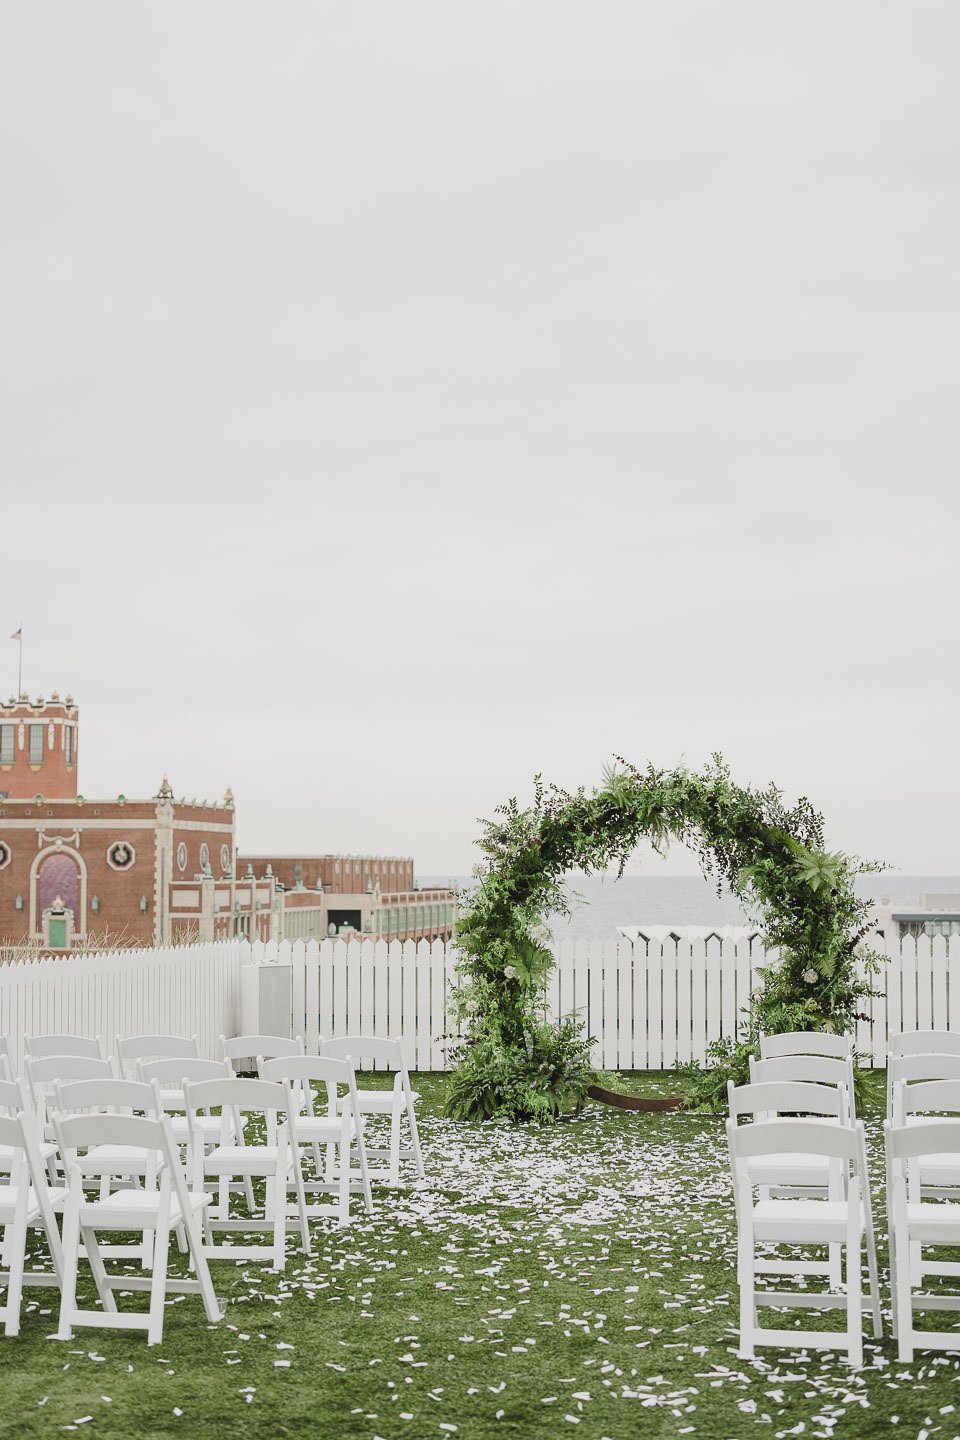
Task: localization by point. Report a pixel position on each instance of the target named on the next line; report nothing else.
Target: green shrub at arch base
(514, 1063)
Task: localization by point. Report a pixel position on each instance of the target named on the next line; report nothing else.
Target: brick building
(77, 871)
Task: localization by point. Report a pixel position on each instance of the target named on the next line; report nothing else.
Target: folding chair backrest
(938, 1137)
(12, 1097)
(778, 1097)
(924, 1042)
(112, 1096)
(925, 1097)
(37, 1045)
(321, 1068)
(386, 1052)
(909, 1068)
(300, 1072)
(244, 1047)
(780, 1137)
(89, 1131)
(132, 1048)
(7, 1066)
(236, 1096)
(815, 1069)
(174, 1071)
(806, 1042)
(43, 1072)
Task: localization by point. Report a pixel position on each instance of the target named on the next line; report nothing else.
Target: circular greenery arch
(513, 1062)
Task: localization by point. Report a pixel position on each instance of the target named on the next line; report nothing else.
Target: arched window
(58, 877)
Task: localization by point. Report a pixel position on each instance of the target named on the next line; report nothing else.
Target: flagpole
(20, 664)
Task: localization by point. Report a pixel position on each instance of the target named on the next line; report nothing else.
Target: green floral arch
(513, 1063)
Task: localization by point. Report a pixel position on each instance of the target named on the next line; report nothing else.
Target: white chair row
(134, 1052)
(800, 1178)
(108, 1129)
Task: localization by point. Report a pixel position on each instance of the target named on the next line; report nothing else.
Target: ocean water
(599, 903)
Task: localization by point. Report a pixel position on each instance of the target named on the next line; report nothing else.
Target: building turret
(38, 748)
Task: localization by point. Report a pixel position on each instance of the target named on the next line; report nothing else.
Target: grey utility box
(265, 1000)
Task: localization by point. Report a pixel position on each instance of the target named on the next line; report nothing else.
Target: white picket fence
(188, 990)
(646, 1007)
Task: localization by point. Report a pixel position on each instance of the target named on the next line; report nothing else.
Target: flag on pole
(18, 634)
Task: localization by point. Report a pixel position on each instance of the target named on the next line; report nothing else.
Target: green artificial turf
(577, 1280)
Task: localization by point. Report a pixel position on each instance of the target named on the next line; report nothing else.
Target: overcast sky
(402, 399)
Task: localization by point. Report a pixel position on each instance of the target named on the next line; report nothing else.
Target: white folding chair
(155, 1210)
(7, 1066)
(906, 1070)
(399, 1101)
(109, 1168)
(44, 1072)
(803, 1222)
(812, 1070)
(133, 1048)
(26, 1202)
(38, 1045)
(249, 1047)
(794, 1173)
(915, 1224)
(14, 1098)
(170, 1075)
(806, 1042)
(924, 1042)
(337, 1127)
(236, 1157)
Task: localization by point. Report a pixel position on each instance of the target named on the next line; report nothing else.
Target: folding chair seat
(395, 1103)
(41, 1045)
(821, 1222)
(249, 1047)
(806, 1042)
(916, 1224)
(811, 1070)
(154, 1210)
(336, 1127)
(237, 1157)
(26, 1202)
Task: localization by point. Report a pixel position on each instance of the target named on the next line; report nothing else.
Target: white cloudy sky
(402, 399)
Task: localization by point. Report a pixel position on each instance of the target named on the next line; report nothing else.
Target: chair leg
(343, 1152)
(364, 1172)
(301, 1194)
(277, 1185)
(71, 1254)
(212, 1308)
(95, 1261)
(854, 1289)
(158, 1286)
(394, 1170)
(904, 1306)
(415, 1140)
(16, 1239)
(748, 1304)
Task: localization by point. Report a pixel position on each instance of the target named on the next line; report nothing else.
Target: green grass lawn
(574, 1280)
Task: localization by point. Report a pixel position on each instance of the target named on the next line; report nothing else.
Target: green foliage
(547, 1073)
(771, 856)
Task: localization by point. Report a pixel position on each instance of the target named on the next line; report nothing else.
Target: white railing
(647, 1007)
